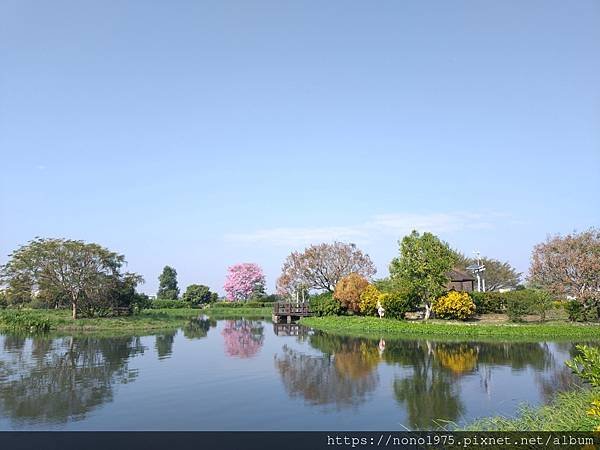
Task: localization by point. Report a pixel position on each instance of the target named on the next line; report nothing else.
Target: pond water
(254, 375)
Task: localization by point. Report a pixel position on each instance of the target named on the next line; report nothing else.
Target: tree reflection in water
(342, 377)
(198, 328)
(319, 381)
(164, 344)
(57, 380)
(243, 338)
(431, 393)
(429, 389)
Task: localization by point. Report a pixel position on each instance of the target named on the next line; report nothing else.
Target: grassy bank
(568, 412)
(36, 320)
(60, 320)
(375, 327)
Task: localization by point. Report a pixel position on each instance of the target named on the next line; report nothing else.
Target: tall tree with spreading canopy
(320, 267)
(569, 266)
(498, 275)
(422, 265)
(86, 274)
(243, 281)
(167, 287)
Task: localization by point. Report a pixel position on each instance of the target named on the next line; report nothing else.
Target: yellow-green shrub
(595, 412)
(454, 305)
(396, 304)
(368, 300)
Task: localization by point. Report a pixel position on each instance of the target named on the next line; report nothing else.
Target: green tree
(258, 292)
(167, 287)
(423, 264)
(88, 275)
(197, 294)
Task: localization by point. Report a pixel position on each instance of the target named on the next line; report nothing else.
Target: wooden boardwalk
(284, 312)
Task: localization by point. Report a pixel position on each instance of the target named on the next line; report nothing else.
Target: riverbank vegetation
(562, 291)
(60, 320)
(375, 327)
(88, 280)
(567, 412)
(43, 320)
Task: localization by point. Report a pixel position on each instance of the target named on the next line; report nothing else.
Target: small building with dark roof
(460, 281)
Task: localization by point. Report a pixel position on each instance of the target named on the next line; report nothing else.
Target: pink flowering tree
(243, 280)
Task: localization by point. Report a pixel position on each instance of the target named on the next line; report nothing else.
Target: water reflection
(198, 328)
(430, 393)
(164, 344)
(243, 338)
(321, 380)
(290, 329)
(57, 380)
(428, 388)
(335, 381)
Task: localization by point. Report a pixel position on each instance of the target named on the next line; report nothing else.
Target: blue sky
(203, 133)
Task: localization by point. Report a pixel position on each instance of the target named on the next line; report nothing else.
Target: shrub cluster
(368, 300)
(587, 364)
(527, 301)
(577, 312)
(396, 304)
(23, 321)
(489, 302)
(325, 305)
(516, 304)
(454, 305)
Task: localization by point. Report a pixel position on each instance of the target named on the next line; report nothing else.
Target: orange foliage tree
(349, 289)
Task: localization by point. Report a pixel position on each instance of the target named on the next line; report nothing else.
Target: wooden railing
(291, 309)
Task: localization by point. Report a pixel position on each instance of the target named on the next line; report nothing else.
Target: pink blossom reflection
(243, 338)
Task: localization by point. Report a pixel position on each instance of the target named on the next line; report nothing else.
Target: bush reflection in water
(428, 388)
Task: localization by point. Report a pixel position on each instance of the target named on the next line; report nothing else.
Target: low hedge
(490, 302)
(169, 304)
(515, 304)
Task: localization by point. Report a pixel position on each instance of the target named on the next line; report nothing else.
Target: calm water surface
(248, 375)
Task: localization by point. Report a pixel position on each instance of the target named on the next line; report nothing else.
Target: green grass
(375, 327)
(60, 320)
(567, 412)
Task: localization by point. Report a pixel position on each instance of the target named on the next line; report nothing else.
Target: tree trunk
(427, 311)
(74, 310)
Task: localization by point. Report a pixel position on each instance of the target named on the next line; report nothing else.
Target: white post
(483, 282)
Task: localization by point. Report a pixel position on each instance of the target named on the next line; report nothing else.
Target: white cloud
(381, 225)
